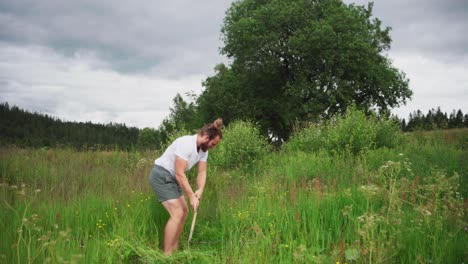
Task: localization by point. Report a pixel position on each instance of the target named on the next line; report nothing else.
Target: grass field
(401, 205)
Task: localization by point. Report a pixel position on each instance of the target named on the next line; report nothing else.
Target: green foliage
(353, 132)
(242, 146)
(387, 205)
(308, 139)
(220, 98)
(148, 138)
(295, 59)
(388, 133)
(25, 129)
(435, 119)
(183, 114)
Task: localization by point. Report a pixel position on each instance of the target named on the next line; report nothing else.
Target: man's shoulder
(185, 140)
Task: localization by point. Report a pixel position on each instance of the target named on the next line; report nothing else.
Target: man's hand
(198, 194)
(194, 202)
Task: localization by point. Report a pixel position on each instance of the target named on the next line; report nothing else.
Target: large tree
(300, 60)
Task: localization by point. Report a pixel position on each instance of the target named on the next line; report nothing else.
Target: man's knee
(180, 214)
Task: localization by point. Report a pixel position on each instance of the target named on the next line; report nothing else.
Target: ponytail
(213, 129)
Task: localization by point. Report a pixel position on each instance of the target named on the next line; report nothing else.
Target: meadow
(404, 203)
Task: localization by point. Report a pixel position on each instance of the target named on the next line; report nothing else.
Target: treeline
(434, 119)
(26, 129)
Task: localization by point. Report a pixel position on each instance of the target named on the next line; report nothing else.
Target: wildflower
(370, 189)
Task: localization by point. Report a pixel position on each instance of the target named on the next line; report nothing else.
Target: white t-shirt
(186, 148)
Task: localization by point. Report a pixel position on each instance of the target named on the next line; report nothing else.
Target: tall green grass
(404, 204)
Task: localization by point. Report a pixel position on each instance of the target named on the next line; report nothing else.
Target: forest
(25, 129)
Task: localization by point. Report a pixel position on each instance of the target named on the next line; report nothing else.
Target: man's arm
(201, 178)
(180, 165)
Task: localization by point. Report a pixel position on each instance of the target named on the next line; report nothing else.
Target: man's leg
(178, 211)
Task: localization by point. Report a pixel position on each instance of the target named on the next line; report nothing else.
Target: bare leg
(178, 212)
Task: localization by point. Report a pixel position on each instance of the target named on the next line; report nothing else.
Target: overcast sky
(124, 61)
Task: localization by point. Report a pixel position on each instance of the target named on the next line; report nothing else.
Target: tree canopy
(301, 60)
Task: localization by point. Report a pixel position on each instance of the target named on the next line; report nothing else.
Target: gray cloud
(132, 36)
(73, 88)
(124, 61)
(431, 27)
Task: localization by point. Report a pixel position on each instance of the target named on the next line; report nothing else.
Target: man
(168, 178)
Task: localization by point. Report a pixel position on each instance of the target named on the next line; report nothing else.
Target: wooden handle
(193, 226)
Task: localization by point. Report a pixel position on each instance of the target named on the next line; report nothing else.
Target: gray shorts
(164, 184)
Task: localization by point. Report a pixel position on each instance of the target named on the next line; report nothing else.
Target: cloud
(83, 88)
(429, 27)
(134, 36)
(430, 48)
(106, 60)
(434, 83)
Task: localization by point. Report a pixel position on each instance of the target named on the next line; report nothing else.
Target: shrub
(387, 133)
(308, 139)
(241, 146)
(353, 132)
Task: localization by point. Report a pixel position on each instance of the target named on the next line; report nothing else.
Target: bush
(308, 139)
(387, 134)
(353, 132)
(240, 147)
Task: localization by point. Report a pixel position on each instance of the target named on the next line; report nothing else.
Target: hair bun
(218, 123)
